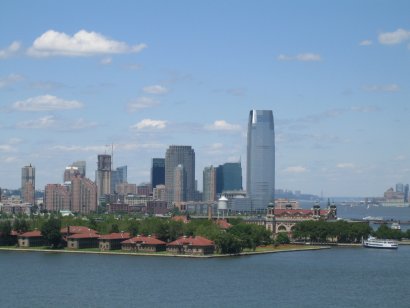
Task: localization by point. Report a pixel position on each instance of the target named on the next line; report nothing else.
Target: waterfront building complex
(28, 184)
(260, 179)
(180, 164)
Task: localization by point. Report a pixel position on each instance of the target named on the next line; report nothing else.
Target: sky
(79, 76)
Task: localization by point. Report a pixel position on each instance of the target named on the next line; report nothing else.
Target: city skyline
(78, 77)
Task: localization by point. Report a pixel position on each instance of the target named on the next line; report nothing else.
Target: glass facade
(158, 172)
(260, 177)
(229, 177)
(184, 156)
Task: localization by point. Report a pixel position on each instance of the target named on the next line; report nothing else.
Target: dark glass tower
(158, 172)
(260, 169)
(229, 177)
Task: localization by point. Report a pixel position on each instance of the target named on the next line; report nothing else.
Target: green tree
(114, 228)
(5, 230)
(227, 243)
(51, 231)
(133, 227)
(282, 238)
(21, 225)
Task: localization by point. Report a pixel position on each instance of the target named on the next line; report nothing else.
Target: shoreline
(247, 253)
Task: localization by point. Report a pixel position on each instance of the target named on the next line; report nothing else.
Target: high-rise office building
(82, 167)
(179, 184)
(209, 184)
(406, 193)
(185, 156)
(158, 172)
(260, 169)
(400, 187)
(103, 175)
(118, 176)
(28, 184)
(228, 177)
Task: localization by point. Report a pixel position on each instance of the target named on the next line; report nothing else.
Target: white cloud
(345, 165)
(149, 124)
(304, 57)
(155, 89)
(78, 148)
(382, 88)
(295, 169)
(222, 125)
(137, 146)
(9, 159)
(81, 124)
(10, 50)
(44, 122)
(9, 80)
(6, 148)
(142, 103)
(395, 37)
(365, 43)
(133, 66)
(46, 103)
(106, 61)
(400, 157)
(82, 43)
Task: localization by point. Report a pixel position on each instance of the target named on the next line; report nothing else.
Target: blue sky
(76, 76)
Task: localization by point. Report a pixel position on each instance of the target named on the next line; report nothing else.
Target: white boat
(373, 242)
(395, 226)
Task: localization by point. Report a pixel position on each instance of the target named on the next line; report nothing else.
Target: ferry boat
(395, 226)
(373, 242)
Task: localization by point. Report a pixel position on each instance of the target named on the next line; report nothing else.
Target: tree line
(343, 232)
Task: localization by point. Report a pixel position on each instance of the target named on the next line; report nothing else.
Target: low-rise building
(31, 239)
(142, 243)
(113, 241)
(83, 240)
(192, 245)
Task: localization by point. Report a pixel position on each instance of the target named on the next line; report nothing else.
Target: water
(337, 277)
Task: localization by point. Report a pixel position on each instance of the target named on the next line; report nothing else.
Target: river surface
(337, 277)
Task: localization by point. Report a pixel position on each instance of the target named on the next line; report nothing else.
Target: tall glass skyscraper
(260, 169)
(182, 157)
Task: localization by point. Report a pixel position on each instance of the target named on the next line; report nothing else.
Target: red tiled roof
(194, 241)
(223, 224)
(77, 230)
(144, 240)
(83, 235)
(184, 219)
(35, 233)
(115, 236)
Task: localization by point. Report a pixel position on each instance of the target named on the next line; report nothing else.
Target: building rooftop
(115, 236)
(140, 239)
(192, 241)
